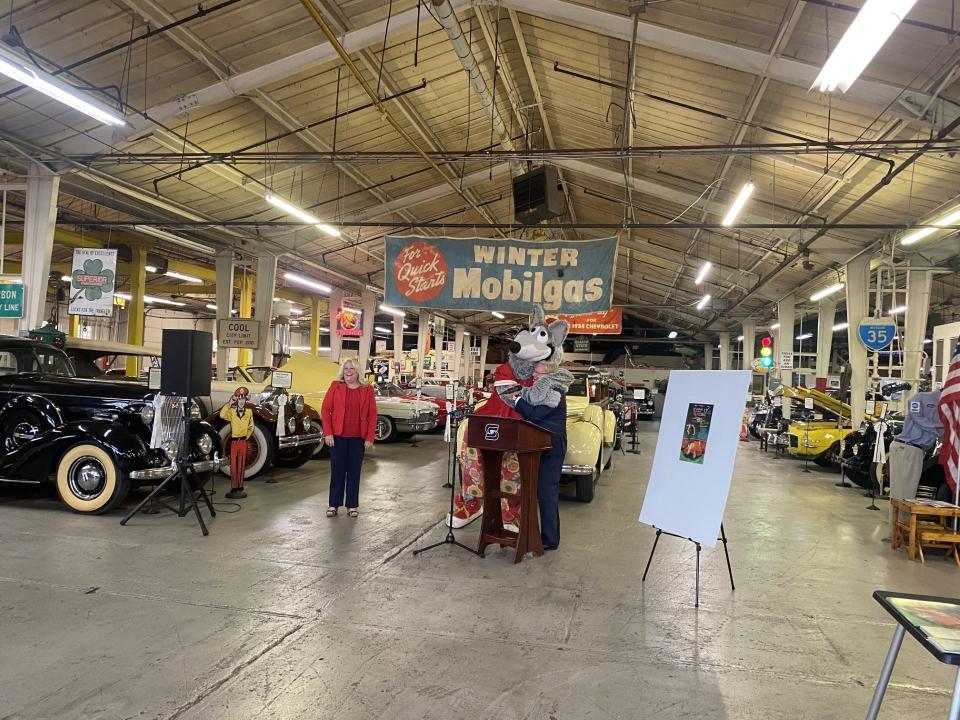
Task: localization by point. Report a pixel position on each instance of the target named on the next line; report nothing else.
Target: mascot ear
(538, 316)
(558, 332)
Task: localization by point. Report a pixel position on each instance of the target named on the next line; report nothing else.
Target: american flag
(949, 409)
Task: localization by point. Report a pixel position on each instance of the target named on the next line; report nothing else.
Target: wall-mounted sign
(581, 344)
(877, 333)
(569, 276)
(381, 346)
(786, 360)
(238, 333)
(11, 300)
(475, 350)
(349, 322)
(92, 282)
(608, 322)
(450, 346)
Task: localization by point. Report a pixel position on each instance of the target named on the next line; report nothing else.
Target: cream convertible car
(593, 431)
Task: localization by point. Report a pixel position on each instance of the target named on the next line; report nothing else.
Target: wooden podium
(493, 436)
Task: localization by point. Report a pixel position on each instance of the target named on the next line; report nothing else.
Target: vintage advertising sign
(349, 322)
(786, 360)
(11, 300)
(609, 322)
(696, 448)
(567, 276)
(238, 333)
(92, 282)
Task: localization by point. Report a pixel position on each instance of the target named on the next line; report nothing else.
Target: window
(8, 363)
(50, 362)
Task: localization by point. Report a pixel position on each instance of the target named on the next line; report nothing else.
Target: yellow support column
(317, 306)
(74, 330)
(135, 309)
(246, 311)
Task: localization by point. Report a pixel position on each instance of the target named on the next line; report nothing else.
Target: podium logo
(491, 432)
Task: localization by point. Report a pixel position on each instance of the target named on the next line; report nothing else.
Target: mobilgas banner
(566, 276)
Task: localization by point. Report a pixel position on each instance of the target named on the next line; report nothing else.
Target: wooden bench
(938, 537)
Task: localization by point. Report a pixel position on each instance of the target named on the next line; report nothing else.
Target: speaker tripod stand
(187, 498)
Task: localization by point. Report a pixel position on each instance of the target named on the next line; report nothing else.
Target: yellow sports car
(818, 440)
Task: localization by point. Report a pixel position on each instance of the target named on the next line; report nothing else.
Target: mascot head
(538, 342)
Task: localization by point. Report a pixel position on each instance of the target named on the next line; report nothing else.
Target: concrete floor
(282, 613)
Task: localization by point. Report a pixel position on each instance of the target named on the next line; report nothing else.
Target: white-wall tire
(88, 480)
(262, 452)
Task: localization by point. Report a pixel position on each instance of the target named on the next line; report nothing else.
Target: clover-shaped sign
(93, 280)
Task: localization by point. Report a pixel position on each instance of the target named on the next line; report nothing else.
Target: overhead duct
(447, 18)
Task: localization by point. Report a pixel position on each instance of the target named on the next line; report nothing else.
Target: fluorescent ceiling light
(468, 334)
(498, 315)
(405, 326)
(14, 67)
(302, 215)
(840, 326)
(150, 268)
(324, 329)
(175, 239)
(775, 326)
(307, 282)
(353, 310)
(745, 192)
(209, 306)
(294, 311)
(123, 296)
(917, 235)
(294, 322)
(381, 329)
(897, 310)
(873, 25)
(740, 339)
(821, 294)
(704, 269)
(306, 348)
(66, 278)
(181, 276)
(672, 335)
(703, 302)
(392, 310)
(162, 301)
(927, 341)
(805, 336)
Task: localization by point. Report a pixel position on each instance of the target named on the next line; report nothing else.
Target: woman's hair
(356, 365)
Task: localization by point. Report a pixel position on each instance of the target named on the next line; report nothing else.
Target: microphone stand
(453, 467)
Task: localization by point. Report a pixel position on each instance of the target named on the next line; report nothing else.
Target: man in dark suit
(545, 404)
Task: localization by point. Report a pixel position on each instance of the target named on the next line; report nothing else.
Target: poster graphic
(693, 446)
(92, 282)
(349, 322)
(608, 322)
(568, 276)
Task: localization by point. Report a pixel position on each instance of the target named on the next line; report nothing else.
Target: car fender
(583, 443)
(609, 427)
(38, 458)
(39, 404)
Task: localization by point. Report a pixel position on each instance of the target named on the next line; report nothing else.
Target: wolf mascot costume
(539, 342)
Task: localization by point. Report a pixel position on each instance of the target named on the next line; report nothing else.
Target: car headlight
(307, 425)
(194, 410)
(170, 448)
(147, 414)
(297, 402)
(205, 444)
(291, 425)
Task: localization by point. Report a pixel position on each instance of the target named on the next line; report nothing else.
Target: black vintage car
(93, 436)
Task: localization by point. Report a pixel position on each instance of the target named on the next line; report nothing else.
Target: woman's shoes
(331, 512)
(353, 512)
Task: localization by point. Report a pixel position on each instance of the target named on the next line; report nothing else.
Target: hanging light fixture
(821, 294)
(301, 215)
(745, 192)
(703, 302)
(917, 235)
(704, 269)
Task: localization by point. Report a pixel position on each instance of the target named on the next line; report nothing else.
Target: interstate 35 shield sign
(877, 333)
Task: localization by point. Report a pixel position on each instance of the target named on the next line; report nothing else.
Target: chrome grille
(168, 420)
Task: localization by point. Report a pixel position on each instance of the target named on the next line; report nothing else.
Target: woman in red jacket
(349, 414)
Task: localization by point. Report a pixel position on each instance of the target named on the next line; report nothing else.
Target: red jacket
(494, 406)
(332, 410)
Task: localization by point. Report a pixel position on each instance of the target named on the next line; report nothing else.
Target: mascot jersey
(495, 406)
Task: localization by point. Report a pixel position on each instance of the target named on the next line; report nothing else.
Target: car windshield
(258, 374)
(389, 390)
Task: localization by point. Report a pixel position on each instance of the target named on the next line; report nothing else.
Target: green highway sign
(11, 300)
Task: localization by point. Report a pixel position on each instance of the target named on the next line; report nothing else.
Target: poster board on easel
(695, 454)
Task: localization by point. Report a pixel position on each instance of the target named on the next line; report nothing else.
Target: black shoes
(237, 494)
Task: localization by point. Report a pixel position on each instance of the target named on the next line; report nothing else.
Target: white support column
(336, 339)
(457, 351)
(786, 318)
(708, 356)
(724, 351)
(484, 340)
(368, 304)
(748, 348)
(467, 358)
(397, 345)
(858, 277)
(263, 306)
(423, 335)
(828, 313)
(915, 323)
(39, 222)
(224, 265)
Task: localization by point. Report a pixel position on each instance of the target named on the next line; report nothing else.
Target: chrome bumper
(161, 472)
(292, 441)
(405, 426)
(577, 470)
